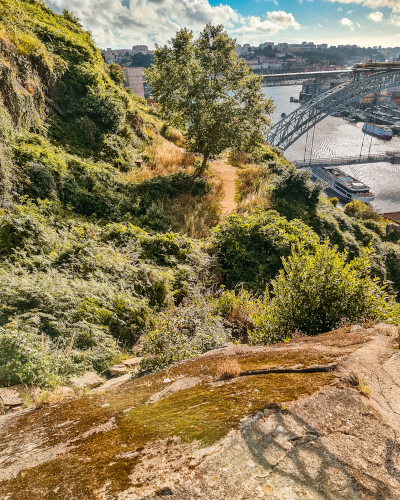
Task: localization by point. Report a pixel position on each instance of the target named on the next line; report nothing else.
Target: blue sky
(123, 23)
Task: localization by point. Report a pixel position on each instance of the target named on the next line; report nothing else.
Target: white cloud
(274, 22)
(373, 4)
(346, 22)
(350, 12)
(376, 17)
(123, 23)
(394, 19)
(339, 9)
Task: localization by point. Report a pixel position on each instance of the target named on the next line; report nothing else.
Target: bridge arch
(293, 126)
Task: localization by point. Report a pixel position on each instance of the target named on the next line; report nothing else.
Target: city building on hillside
(243, 49)
(266, 44)
(283, 46)
(322, 46)
(137, 49)
(134, 80)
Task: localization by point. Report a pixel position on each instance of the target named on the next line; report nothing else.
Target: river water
(335, 137)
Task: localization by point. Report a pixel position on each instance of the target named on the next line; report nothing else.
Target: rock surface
(280, 436)
(88, 379)
(17, 394)
(132, 362)
(117, 370)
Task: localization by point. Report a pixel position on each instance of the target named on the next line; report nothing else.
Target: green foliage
(250, 247)
(117, 74)
(184, 332)
(317, 290)
(204, 88)
(334, 201)
(237, 307)
(360, 210)
(76, 283)
(294, 195)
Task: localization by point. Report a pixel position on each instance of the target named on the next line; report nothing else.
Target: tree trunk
(203, 165)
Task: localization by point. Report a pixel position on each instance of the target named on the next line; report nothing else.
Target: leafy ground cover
(99, 258)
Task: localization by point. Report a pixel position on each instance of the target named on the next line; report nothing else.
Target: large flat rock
(277, 436)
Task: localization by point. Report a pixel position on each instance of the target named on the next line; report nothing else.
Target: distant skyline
(120, 24)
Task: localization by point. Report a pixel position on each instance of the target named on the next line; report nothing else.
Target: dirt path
(228, 176)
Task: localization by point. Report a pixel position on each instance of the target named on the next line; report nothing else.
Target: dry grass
(193, 215)
(176, 137)
(357, 382)
(253, 188)
(166, 158)
(229, 368)
(363, 388)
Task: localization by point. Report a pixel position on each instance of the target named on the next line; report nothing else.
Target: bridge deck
(346, 160)
(287, 79)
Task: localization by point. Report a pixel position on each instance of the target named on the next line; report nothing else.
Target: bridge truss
(293, 126)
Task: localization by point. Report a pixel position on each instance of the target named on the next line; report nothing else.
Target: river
(335, 137)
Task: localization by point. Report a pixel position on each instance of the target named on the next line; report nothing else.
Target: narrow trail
(228, 176)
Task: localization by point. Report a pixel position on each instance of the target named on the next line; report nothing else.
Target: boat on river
(379, 131)
(344, 185)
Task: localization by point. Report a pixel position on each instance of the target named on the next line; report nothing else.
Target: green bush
(294, 195)
(237, 307)
(117, 74)
(361, 210)
(250, 247)
(184, 332)
(27, 357)
(317, 290)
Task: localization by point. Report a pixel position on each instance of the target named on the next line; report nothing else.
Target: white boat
(344, 185)
(379, 131)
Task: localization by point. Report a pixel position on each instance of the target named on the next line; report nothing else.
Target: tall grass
(165, 158)
(253, 188)
(194, 215)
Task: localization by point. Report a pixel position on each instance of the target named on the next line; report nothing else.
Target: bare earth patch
(228, 176)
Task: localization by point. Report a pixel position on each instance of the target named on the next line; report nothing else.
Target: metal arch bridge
(362, 83)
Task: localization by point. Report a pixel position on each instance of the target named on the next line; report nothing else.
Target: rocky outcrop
(117, 370)
(287, 434)
(18, 395)
(88, 380)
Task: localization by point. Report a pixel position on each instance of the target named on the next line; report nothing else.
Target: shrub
(184, 332)
(237, 307)
(362, 211)
(26, 357)
(317, 290)
(294, 195)
(250, 247)
(334, 201)
(117, 74)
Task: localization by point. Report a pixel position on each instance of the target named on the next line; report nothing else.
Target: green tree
(203, 87)
(117, 74)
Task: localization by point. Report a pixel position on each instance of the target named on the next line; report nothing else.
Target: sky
(120, 24)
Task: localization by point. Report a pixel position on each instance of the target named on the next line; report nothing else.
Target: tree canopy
(204, 88)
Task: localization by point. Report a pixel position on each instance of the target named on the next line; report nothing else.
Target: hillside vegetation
(100, 259)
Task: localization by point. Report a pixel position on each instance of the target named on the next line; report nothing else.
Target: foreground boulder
(117, 370)
(88, 380)
(17, 395)
(312, 419)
